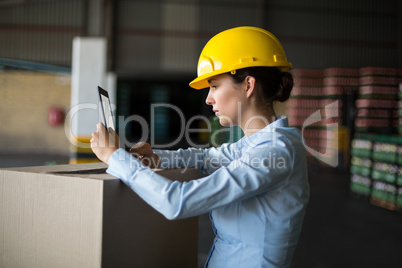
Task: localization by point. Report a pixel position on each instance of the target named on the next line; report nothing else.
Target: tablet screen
(106, 111)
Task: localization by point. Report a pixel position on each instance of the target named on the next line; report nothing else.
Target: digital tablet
(105, 109)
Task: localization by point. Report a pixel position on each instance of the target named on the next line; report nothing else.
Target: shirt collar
(281, 121)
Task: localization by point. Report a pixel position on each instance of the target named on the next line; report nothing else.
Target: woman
(256, 190)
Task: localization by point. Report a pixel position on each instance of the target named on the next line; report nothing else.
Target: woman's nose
(209, 99)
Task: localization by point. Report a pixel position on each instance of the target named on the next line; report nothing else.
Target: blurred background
(345, 53)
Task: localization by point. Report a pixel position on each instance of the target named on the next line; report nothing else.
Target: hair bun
(285, 87)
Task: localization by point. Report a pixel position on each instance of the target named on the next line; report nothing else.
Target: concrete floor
(341, 231)
(338, 231)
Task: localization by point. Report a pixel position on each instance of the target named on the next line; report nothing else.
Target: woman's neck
(257, 120)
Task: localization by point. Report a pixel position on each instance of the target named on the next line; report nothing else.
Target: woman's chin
(225, 122)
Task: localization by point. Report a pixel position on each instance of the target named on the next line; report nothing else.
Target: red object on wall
(55, 116)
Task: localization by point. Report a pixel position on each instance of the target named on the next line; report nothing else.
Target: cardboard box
(79, 216)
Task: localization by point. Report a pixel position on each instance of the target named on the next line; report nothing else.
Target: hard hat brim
(202, 81)
(199, 84)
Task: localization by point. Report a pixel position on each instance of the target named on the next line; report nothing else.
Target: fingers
(143, 152)
(146, 161)
(139, 145)
(142, 148)
(95, 136)
(152, 162)
(100, 144)
(94, 139)
(99, 136)
(114, 138)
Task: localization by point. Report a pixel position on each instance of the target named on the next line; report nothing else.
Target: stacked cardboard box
(384, 173)
(399, 198)
(320, 105)
(338, 83)
(316, 106)
(377, 112)
(376, 169)
(79, 216)
(360, 168)
(400, 105)
(305, 106)
(377, 101)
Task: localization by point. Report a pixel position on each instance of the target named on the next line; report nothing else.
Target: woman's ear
(250, 84)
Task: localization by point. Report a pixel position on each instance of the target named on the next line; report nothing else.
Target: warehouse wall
(164, 37)
(41, 31)
(155, 37)
(26, 99)
(351, 34)
(159, 37)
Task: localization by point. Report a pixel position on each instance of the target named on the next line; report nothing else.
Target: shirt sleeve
(247, 176)
(207, 160)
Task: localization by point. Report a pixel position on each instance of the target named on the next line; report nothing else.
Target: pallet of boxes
(376, 163)
(315, 108)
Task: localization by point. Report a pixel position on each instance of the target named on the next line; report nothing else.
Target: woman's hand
(143, 152)
(103, 143)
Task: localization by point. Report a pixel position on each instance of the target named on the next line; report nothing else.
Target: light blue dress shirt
(256, 193)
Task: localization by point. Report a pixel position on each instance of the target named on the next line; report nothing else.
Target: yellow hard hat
(238, 48)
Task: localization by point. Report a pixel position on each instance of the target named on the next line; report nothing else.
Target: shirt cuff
(122, 165)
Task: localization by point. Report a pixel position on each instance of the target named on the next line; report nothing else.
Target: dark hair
(275, 84)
